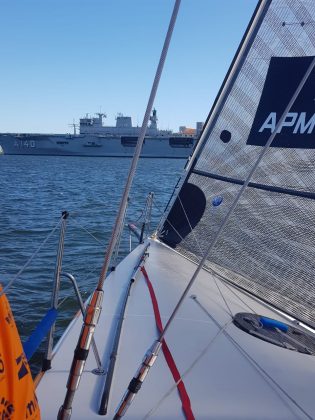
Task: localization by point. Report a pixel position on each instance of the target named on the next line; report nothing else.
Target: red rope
(167, 354)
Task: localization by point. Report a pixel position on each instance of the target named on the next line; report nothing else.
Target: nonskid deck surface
(227, 372)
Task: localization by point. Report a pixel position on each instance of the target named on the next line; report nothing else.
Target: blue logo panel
(298, 128)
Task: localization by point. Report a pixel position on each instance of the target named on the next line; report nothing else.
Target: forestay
(267, 246)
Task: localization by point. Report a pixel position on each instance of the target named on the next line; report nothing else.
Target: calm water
(34, 192)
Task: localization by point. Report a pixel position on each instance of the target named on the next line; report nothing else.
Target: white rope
(7, 286)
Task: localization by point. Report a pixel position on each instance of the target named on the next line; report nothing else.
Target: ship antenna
(101, 115)
(153, 119)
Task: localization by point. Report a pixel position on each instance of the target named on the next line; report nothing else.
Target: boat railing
(46, 327)
(55, 292)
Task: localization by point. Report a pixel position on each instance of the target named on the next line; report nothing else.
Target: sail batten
(297, 193)
(267, 246)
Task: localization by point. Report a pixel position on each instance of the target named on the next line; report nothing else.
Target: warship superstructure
(96, 139)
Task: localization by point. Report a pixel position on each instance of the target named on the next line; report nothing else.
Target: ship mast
(100, 116)
(74, 125)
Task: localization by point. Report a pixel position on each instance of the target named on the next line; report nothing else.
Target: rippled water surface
(34, 192)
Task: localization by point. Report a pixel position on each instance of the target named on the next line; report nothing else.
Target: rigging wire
(222, 330)
(201, 252)
(95, 306)
(188, 221)
(223, 298)
(152, 355)
(240, 193)
(252, 361)
(141, 214)
(186, 372)
(88, 232)
(237, 296)
(172, 226)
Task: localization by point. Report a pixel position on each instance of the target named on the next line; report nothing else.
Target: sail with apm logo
(298, 128)
(17, 392)
(272, 227)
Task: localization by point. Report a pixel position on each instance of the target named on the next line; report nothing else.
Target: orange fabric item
(17, 392)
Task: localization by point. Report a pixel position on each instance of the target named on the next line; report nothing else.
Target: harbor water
(34, 192)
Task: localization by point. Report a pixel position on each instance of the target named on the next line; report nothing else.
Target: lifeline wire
(6, 287)
(88, 232)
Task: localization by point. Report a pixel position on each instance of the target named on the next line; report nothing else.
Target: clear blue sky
(61, 59)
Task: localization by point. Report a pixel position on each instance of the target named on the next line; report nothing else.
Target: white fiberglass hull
(90, 145)
(227, 372)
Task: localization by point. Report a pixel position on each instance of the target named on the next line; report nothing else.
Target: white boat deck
(252, 379)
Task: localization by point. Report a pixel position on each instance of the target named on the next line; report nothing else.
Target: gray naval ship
(96, 139)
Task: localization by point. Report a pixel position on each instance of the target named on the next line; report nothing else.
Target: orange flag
(17, 392)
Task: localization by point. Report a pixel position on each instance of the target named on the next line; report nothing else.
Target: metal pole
(147, 216)
(46, 365)
(95, 306)
(149, 213)
(115, 258)
(133, 229)
(100, 370)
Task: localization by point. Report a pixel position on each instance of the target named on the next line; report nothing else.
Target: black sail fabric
(267, 246)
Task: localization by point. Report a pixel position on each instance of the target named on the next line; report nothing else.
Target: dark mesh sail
(268, 245)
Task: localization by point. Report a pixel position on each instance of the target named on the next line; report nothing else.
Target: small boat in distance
(96, 139)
